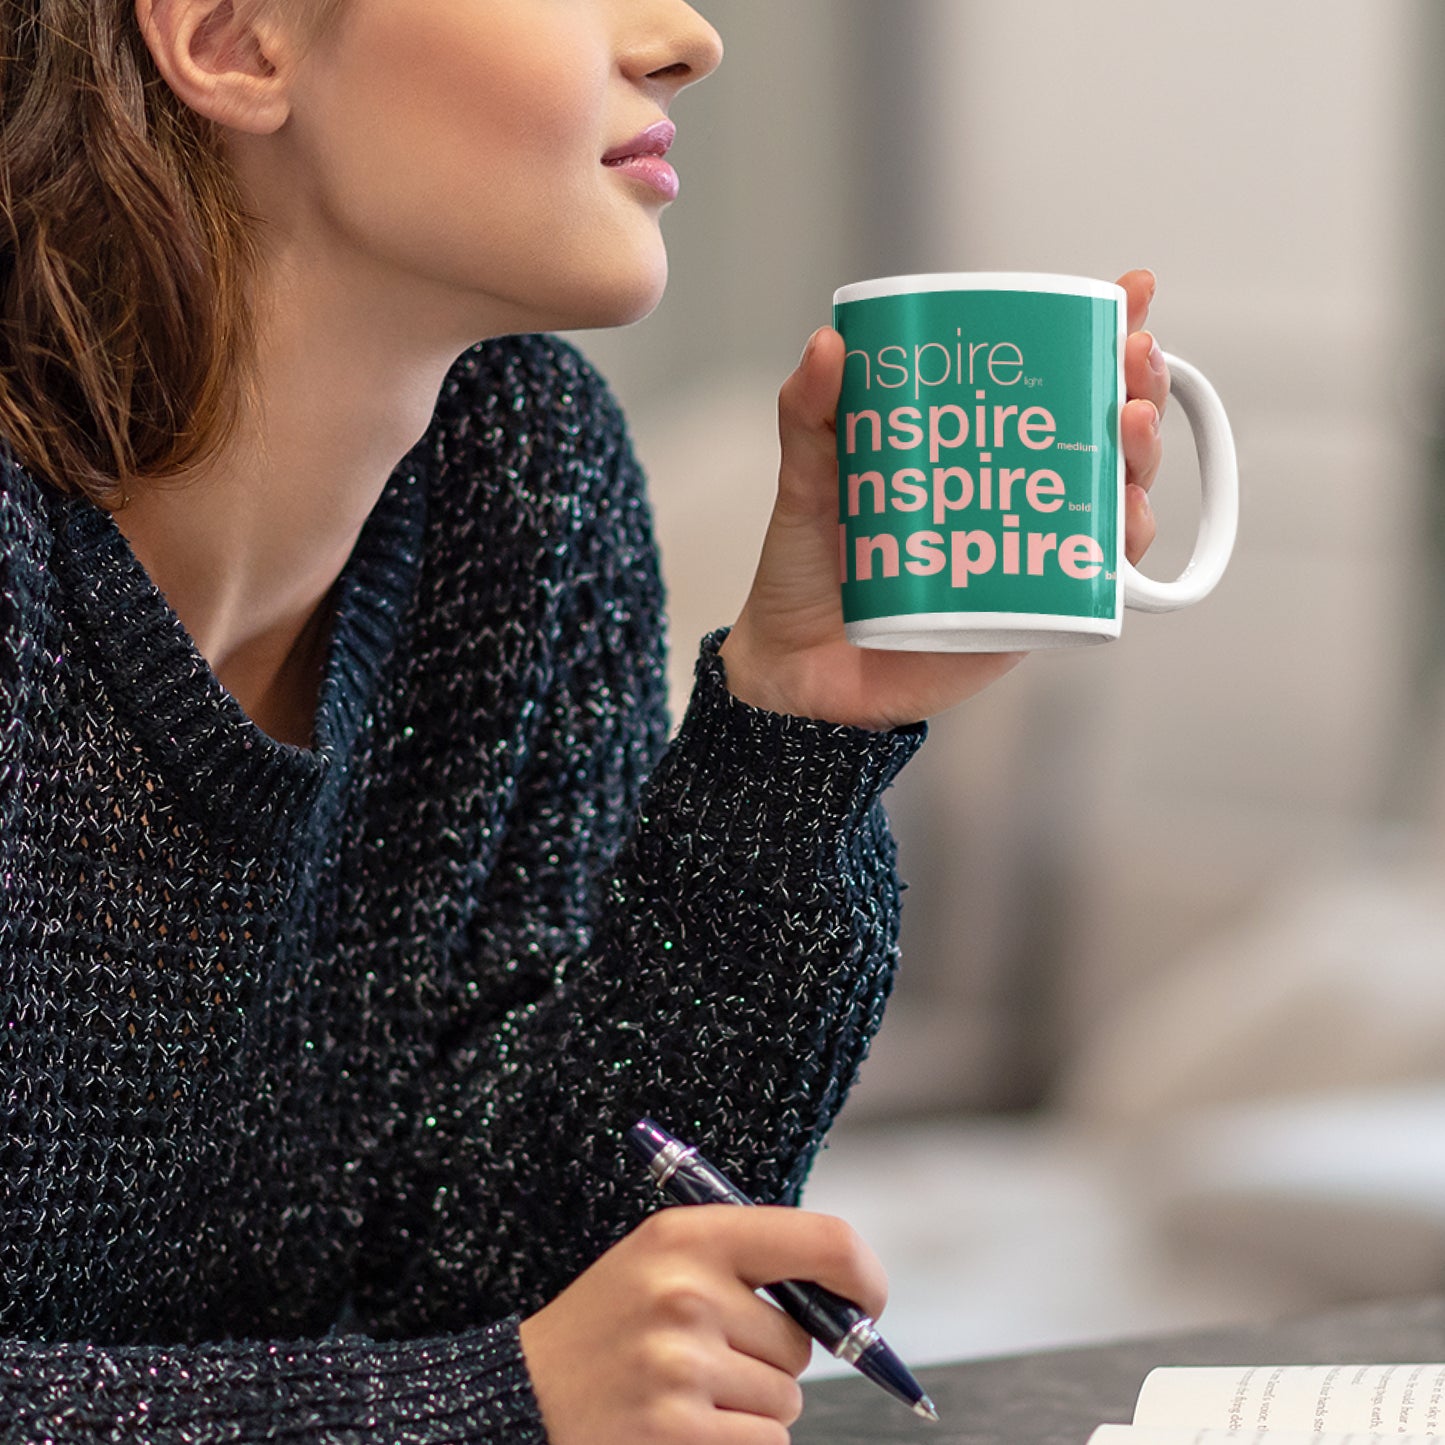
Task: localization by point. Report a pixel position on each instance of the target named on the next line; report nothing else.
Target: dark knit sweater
(314, 1062)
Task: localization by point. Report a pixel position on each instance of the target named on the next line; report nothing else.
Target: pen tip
(925, 1408)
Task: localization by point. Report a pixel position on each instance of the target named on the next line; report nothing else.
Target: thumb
(807, 412)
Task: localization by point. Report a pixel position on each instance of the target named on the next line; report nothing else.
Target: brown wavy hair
(126, 254)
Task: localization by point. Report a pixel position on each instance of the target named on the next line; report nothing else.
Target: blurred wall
(1073, 833)
(1259, 158)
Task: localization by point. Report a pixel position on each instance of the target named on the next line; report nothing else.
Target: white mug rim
(1036, 282)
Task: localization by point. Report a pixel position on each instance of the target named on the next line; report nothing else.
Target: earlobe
(223, 58)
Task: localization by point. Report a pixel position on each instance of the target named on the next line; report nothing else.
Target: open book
(1286, 1405)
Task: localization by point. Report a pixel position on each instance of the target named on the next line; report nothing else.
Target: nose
(675, 46)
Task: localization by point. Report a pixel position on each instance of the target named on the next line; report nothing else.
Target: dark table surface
(1057, 1398)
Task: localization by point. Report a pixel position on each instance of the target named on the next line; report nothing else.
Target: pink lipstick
(642, 158)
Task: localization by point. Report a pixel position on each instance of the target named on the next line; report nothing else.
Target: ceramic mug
(980, 470)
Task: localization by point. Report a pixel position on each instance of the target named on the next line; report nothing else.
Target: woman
(353, 903)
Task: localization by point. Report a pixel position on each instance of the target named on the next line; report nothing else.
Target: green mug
(980, 470)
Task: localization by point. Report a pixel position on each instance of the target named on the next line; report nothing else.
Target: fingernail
(1156, 357)
(808, 349)
(1158, 420)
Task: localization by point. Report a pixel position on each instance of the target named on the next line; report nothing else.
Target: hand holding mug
(981, 464)
(789, 651)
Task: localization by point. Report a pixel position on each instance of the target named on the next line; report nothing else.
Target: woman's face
(481, 155)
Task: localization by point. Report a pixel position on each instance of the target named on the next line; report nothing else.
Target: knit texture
(315, 1063)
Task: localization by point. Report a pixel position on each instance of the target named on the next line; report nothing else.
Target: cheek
(438, 85)
(429, 131)
(444, 154)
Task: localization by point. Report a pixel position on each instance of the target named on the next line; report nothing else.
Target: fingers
(756, 1388)
(1139, 527)
(1139, 286)
(705, 1375)
(1146, 380)
(1146, 376)
(663, 1339)
(1146, 373)
(1143, 445)
(759, 1246)
(1142, 452)
(772, 1243)
(759, 1328)
(726, 1428)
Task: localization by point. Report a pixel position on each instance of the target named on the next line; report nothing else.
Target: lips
(656, 140)
(641, 159)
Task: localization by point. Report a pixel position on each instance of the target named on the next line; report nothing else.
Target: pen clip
(669, 1159)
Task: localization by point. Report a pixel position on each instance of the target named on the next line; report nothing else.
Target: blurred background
(1168, 1046)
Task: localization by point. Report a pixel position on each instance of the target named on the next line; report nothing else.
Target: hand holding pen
(663, 1341)
(842, 1327)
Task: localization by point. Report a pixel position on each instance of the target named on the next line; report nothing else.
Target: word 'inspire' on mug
(980, 469)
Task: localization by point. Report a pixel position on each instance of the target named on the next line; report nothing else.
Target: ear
(226, 59)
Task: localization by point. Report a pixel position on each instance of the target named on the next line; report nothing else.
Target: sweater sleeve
(722, 972)
(468, 1389)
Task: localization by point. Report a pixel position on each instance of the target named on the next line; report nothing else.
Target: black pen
(837, 1324)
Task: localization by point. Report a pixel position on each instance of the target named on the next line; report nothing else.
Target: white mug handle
(1219, 511)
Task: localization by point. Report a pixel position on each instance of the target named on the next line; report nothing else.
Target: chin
(619, 306)
(641, 307)
(588, 299)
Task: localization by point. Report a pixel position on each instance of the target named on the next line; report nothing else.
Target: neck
(247, 547)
